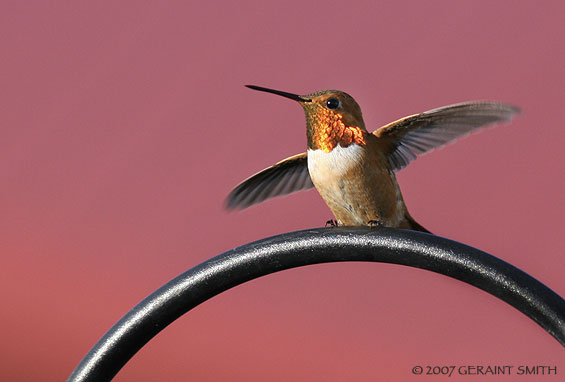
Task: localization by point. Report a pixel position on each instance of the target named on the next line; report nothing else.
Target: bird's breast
(337, 163)
(356, 185)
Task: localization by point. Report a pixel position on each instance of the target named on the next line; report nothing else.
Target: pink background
(123, 128)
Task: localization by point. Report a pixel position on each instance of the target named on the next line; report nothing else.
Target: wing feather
(287, 176)
(418, 134)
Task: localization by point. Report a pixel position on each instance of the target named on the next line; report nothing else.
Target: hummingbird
(354, 170)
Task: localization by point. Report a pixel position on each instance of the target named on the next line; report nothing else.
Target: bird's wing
(287, 176)
(421, 133)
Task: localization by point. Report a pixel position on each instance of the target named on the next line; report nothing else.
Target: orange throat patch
(330, 131)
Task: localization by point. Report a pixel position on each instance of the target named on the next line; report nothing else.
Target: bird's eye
(333, 103)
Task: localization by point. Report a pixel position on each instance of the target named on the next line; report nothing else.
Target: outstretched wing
(287, 176)
(421, 133)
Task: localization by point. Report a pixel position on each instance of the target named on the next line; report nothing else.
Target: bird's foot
(331, 223)
(375, 223)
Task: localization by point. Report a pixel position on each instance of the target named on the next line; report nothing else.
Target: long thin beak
(294, 97)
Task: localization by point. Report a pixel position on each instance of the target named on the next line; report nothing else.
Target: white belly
(355, 187)
(335, 164)
(331, 173)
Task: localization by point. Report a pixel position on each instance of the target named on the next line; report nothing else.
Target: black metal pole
(322, 245)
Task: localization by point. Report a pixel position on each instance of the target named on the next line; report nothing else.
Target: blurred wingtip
(516, 110)
(230, 204)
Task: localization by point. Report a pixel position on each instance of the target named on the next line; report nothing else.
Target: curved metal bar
(322, 245)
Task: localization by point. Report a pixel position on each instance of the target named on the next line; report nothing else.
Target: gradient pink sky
(124, 126)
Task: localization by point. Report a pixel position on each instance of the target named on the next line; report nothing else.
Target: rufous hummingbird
(354, 170)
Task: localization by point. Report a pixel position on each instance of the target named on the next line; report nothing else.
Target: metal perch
(315, 246)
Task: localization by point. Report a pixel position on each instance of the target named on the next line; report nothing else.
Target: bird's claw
(331, 223)
(374, 223)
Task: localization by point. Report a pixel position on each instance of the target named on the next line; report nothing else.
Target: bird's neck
(325, 131)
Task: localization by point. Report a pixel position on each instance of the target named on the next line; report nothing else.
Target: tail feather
(414, 225)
